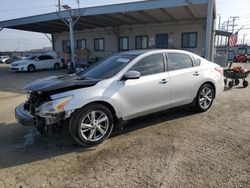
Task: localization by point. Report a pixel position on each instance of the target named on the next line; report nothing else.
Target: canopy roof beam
(91, 22)
(168, 14)
(190, 12)
(132, 18)
(151, 17)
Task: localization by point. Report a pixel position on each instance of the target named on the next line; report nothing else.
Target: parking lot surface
(175, 148)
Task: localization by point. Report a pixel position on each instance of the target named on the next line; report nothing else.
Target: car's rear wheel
(56, 66)
(31, 68)
(91, 125)
(204, 98)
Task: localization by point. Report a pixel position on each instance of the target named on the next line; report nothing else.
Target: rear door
(45, 62)
(49, 61)
(185, 78)
(149, 93)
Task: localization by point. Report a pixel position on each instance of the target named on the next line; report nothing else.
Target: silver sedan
(121, 87)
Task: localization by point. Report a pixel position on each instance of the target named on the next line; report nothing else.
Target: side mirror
(132, 74)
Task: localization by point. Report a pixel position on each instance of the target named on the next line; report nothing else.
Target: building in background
(104, 30)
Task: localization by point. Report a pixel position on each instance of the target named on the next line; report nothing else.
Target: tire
(31, 68)
(245, 83)
(204, 98)
(56, 66)
(231, 84)
(93, 133)
(236, 82)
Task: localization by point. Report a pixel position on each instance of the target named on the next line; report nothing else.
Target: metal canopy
(223, 33)
(144, 12)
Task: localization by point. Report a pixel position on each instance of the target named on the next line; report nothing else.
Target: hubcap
(94, 125)
(205, 98)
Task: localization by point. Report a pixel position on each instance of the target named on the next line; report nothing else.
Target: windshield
(108, 67)
(31, 58)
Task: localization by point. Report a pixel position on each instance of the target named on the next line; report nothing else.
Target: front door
(149, 93)
(161, 40)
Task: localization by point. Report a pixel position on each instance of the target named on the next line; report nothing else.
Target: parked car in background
(33, 63)
(5, 59)
(13, 59)
(121, 87)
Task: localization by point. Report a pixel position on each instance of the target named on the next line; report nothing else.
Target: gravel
(174, 148)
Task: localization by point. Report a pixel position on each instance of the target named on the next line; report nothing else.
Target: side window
(177, 61)
(197, 62)
(44, 57)
(141, 42)
(81, 44)
(150, 65)
(99, 44)
(123, 43)
(189, 40)
(40, 58)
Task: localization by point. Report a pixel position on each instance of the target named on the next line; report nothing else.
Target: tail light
(220, 70)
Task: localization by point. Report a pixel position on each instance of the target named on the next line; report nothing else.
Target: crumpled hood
(57, 84)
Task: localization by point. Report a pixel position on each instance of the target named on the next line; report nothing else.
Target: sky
(20, 40)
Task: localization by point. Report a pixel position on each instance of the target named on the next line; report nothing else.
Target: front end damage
(43, 112)
(34, 113)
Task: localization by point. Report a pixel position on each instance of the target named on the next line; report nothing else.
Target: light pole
(72, 43)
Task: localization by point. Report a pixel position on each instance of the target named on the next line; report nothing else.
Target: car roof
(140, 52)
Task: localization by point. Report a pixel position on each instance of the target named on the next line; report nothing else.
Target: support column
(209, 30)
(72, 45)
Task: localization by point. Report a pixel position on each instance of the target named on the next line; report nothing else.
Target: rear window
(177, 61)
(197, 62)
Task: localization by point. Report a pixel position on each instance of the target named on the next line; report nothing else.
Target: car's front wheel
(31, 68)
(91, 125)
(56, 66)
(204, 98)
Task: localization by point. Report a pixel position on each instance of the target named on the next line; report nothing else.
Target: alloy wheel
(94, 126)
(205, 98)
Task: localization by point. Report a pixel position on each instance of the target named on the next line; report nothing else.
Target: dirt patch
(176, 148)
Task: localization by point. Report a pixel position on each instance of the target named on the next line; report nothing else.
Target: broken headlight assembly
(53, 107)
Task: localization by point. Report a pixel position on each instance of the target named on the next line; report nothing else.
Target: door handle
(163, 81)
(196, 73)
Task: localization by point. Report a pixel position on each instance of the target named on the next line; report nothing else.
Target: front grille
(12, 68)
(34, 100)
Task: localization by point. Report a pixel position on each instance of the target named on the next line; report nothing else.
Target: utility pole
(59, 5)
(78, 3)
(226, 41)
(222, 28)
(233, 24)
(218, 37)
(244, 35)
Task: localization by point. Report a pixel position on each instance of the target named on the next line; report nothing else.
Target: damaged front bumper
(23, 117)
(26, 119)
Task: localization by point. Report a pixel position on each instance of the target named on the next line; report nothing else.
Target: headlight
(54, 107)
